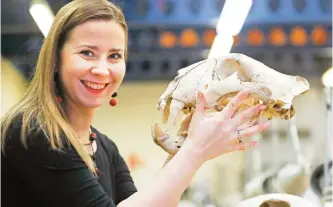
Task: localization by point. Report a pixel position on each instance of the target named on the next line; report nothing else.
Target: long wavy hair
(39, 108)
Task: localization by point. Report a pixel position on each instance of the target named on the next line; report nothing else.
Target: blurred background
(291, 36)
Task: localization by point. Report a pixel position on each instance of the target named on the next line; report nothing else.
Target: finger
(247, 115)
(246, 133)
(200, 104)
(235, 102)
(245, 145)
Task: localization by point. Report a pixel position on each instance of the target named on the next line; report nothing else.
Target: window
(167, 6)
(299, 5)
(219, 5)
(194, 6)
(145, 66)
(145, 39)
(142, 7)
(325, 6)
(274, 5)
(165, 66)
(184, 63)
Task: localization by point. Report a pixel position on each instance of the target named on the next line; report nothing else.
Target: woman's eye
(115, 56)
(87, 53)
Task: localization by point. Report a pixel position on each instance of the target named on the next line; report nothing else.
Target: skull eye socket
(276, 106)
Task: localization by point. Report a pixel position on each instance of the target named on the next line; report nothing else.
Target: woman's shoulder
(37, 148)
(34, 136)
(13, 134)
(15, 126)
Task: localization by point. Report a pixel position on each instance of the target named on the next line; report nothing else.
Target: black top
(40, 176)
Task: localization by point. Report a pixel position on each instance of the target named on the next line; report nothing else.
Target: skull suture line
(220, 80)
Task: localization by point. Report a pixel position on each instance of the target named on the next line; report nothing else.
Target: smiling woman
(93, 50)
(52, 156)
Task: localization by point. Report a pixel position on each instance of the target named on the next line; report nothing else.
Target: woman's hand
(209, 137)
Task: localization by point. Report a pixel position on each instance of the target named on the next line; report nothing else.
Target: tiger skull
(220, 79)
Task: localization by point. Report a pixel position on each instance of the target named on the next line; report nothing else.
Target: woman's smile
(93, 87)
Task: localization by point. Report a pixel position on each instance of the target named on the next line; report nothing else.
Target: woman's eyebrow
(88, 46)
(96, 48)
(116, 50)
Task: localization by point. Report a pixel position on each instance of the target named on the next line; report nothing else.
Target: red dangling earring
(113, 101)
(59, 99)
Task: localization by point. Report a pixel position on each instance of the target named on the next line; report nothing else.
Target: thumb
(200, 104)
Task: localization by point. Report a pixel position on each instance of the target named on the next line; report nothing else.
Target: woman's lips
(95, 88)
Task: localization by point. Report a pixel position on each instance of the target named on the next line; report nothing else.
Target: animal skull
(220, 80)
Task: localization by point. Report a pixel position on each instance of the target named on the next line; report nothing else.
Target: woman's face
(92, 63)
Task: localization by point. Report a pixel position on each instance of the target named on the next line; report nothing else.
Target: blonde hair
(39, 108)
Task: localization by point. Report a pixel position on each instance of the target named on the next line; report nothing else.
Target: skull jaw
(167, 143)
(274, 109)
(163, 140)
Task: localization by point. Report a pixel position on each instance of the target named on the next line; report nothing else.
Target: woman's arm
(169, 184)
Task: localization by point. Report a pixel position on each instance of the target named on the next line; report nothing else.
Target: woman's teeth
(94, 85)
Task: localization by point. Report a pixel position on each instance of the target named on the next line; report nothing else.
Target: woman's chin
(93, 104)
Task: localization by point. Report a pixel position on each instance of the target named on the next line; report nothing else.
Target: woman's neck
(80, 119)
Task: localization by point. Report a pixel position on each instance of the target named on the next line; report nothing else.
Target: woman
(51, 156)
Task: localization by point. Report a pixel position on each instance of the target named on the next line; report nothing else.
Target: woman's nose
(101, 69)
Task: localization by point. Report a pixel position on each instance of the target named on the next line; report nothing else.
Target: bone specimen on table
(220, 79)
(276, 200)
